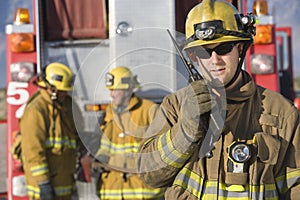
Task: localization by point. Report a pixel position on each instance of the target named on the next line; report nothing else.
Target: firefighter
(124, 126)
(49, 137)
(256, 155)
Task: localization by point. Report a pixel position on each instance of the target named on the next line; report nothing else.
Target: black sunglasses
(204, 53)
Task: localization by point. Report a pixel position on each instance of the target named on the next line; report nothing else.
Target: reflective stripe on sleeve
(168, 153)
(39, 169)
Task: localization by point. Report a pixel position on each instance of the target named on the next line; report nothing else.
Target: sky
(6, 15)
(286, 14)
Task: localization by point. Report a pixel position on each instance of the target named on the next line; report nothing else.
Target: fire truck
(93, 36)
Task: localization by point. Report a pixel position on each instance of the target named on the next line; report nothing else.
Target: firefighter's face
(220, 62)
(120, 97)
(61, 95)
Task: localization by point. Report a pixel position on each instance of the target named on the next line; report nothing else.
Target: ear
(240, 46)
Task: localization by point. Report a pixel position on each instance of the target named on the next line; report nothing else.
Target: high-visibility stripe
(285, 182)
(168, 153)
(137, 193)
(196, 185)
(113, 148)
(34, 192)
(57, 142)
(63, 190)
(194, 182)
(39, 169)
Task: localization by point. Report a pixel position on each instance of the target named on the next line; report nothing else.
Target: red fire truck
(93, 36)
(270, 59)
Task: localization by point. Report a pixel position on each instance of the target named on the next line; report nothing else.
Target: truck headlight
(262, 64)
(22, 71)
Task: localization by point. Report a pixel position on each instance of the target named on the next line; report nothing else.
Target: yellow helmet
(121, 78)
(214, 21)
(57, 75)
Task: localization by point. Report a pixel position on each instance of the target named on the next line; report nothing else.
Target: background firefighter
(126, 120)
(49, 137)
(256, 156)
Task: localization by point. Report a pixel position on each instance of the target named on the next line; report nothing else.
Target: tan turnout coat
(122, 135)
(48, 146)
(263, 119)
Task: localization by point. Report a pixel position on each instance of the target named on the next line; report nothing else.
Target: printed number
(17, 95)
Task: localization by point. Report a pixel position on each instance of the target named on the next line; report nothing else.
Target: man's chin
(217, 82)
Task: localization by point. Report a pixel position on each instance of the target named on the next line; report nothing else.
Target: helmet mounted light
(214, 29)
(207, 23)
(109, 80)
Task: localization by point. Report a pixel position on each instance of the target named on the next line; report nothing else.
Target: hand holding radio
(195, 110)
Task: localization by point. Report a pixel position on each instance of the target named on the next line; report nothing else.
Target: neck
(125, 102)
(236, 85)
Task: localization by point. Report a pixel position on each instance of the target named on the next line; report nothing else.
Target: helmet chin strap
(239, 67)
(53, 93)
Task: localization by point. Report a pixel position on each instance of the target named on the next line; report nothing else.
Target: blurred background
(289, 17)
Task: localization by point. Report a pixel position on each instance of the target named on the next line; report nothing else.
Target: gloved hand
(195, 110)
(46, 191)
(84, 172)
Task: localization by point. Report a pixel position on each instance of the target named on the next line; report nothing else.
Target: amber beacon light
(264, 27)
(21, 36)
(21, 16)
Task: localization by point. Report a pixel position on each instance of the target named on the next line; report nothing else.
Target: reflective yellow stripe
(34, 192)
(113, 148)
(57, 142)
(63, 190)
(168, 153)
(285, 182)
(196, 185)
(39, 169)
(134, 193)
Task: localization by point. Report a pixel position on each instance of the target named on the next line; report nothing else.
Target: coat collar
(247, 89)
(134, 101)
(46, 95)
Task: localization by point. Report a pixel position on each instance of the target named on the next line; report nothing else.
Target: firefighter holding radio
(49, 138)
(223, 136)
(126, 121)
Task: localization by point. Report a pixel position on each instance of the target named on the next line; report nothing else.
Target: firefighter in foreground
(125, 123)
(49, 136)
(257, 153)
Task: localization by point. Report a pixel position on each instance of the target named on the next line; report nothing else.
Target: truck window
(182, 8)
(66, 20)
